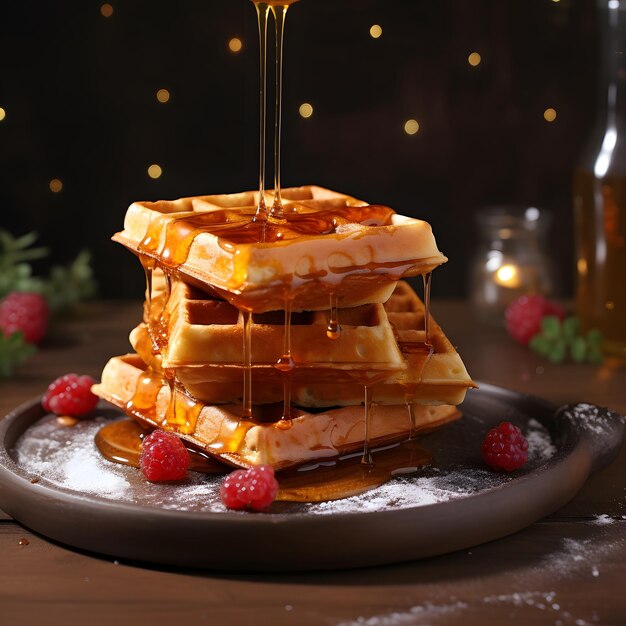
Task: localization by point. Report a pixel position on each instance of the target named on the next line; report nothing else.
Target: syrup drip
(409, 397)
(427, 279)
(424, 350)
(333, 330)
(170, 418)
(367, 458)
(280, 14)
(286, 365)
(246, 409)
(144, 400)
(156, 316)
(148, 267)
(183, 411)
(120, 442)
(262, 10)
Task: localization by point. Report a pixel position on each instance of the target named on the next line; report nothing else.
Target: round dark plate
(567, 444)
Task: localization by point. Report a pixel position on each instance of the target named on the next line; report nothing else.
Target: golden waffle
(332, 245)
(220, 431)
(205, 330)
(205, 350)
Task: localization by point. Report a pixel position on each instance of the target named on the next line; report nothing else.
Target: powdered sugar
(433, 612)
(598, 420)
(68, 459)
(540, 446)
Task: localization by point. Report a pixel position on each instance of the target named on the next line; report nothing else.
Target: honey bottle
(600, 194)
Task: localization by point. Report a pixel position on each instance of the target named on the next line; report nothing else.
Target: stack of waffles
(279, 342)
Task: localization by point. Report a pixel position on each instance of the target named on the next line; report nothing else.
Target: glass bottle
(600, 194)
(509, 260)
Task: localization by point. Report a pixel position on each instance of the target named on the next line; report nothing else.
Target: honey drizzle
(262, 10)
(333, 330)
(280, 14)
(409, 397)
(367, 458)
(246, 409)
(144, 400)
(183, 410)
(427, 279)
(426, 348)
(286, 365)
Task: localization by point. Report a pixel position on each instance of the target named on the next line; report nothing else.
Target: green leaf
(13, 351)
(571, 328)
(578, 349)
(551, 327)
(557, 352)
(594, 356)
(540, 345)
(594, 338)
(69, 284)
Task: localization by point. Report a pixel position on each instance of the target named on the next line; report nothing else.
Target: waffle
(376, 346)
(244, 443)
(334, 245)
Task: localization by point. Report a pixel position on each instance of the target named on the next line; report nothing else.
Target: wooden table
(569, 568)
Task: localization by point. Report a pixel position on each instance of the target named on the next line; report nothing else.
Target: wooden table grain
(569, 568)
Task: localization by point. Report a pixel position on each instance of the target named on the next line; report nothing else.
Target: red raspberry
(505, 447)
(524, 315)
(70, 395)
(25, 312)
(163, 457)
(255, 488)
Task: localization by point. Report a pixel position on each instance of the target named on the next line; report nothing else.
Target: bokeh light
(155, 171)
(3, 114)
(549, 115)
(235, 45)
(106, 10)
(56, 185)
(376, 31)
(411, 127)
(474, 59)
(305, 110)
(163, 95)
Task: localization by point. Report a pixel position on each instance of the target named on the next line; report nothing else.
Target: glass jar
(600, 194)
(510, 260)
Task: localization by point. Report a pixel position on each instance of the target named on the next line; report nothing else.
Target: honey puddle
(120, 442)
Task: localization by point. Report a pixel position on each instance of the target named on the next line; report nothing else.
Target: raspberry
(70, 395)
(163, 457)
(524, 315)
(255, 488)
(505, 447)
(25, 312)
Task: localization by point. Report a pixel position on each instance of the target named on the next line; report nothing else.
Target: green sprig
(559, 339)
(63, 288)
(13, 350)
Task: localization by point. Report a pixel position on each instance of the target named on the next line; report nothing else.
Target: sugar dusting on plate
(68, 459)
(570, 559)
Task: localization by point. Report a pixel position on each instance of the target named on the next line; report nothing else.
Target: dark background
(79, 91)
